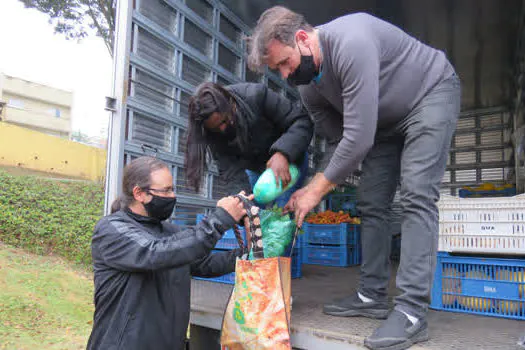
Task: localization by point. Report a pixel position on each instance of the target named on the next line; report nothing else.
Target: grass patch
(45, 303)
(50, 216)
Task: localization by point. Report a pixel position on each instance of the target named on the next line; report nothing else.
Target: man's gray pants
(413, 154)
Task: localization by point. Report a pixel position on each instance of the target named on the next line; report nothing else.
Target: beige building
(35, 106)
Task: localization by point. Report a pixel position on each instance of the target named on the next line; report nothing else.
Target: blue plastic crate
(482, 286)
(343, 255)
(340, 234)
(228, 240)
(506, 192)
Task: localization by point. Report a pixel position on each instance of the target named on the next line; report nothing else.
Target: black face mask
(229, 132)
(160, 207)
(305, 72)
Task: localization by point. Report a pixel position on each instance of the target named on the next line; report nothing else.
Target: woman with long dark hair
(143, 264)
(247, 128)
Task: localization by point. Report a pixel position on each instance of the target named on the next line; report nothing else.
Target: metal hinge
(111, 104)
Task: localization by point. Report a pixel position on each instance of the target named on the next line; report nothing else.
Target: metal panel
(228, 60)
(193, 72)
(181, 148)
(151, 132)
(155, 51)
(159, 12)
(149, 90)
(230, 30)
(197, 38)
(182, 186)
(184, 103)
(201, 8)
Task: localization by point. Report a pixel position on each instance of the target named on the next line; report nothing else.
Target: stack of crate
(471, 275)
(229, 242)
(332, 245)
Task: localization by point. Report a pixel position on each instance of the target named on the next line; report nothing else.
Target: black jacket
(275, 124)
(143, 272)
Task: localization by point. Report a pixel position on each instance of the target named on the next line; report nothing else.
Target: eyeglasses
(169, 190)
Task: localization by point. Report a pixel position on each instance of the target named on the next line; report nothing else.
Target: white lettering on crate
(488, 289)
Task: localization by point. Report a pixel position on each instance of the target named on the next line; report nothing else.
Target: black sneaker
(354, 306)
(397, 333)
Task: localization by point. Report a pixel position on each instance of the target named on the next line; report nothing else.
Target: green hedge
(49, 217)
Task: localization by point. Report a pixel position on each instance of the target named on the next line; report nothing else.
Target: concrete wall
(36, 106)
(30, 149)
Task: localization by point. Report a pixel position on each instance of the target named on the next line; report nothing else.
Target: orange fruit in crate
(487, 187)
(521, 280)
(509, 306)
(476, 303)
(450, 285)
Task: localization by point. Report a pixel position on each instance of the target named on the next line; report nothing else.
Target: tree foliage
(76, 19)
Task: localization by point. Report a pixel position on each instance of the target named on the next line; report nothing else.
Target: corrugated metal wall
(176, 45)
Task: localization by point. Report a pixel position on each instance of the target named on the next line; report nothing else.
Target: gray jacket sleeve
(356, 65)
(128, 247)
(216, 264)
(293, 121)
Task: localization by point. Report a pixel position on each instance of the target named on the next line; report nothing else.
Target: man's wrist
(320, 185)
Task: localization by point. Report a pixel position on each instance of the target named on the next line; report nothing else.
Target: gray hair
(277, 23)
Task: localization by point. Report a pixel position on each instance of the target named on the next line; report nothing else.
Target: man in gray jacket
(381, 98)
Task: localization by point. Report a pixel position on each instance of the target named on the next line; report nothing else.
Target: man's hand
(289, 207)
(280, 166)
(305, 199)
(304, 203)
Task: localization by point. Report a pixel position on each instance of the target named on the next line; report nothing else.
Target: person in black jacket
(248, 128)
(143, 264)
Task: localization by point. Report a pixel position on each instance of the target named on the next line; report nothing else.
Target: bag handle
(296, 232)
(252, 211)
